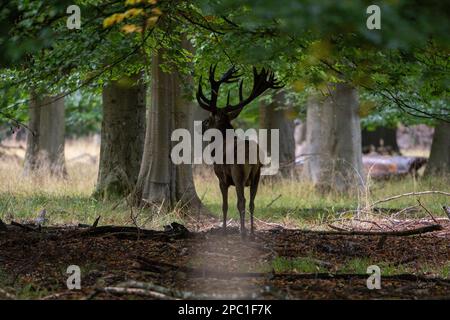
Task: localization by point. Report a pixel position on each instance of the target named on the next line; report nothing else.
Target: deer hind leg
(253, 190)
(241, 207)
(224, 191)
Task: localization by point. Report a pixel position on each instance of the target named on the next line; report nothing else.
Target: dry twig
(409, 194)
(428, 211)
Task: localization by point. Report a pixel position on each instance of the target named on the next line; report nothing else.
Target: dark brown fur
(238, 175)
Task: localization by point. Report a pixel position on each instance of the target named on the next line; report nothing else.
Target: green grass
(291, 202)
(300, 265)
(353, 266)
(300, 203)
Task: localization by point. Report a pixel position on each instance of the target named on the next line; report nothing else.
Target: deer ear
(233, 114)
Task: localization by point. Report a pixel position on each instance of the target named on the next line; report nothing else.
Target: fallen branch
(270, 223)
(3, 226)
(23, 226)
(180, 294)
(404, 210)
(272, 202)
(7, 295)
(428, 211)
(399, 233)
(57, 295)
(337, 228)
(128, 232)
(136, 292)
(96, 222)
(409, 194)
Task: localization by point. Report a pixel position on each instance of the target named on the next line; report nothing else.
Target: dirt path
(279, 264)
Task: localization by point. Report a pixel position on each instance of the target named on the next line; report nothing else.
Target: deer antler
(261, 82)
(228, 77)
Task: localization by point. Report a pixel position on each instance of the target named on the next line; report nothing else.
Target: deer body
(238, 174)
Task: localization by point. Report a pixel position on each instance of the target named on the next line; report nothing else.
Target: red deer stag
(235, 174)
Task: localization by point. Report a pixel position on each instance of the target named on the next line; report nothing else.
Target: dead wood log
(180, 294)
(3, 226)
(130, 232)
(23, 226)
(136, 292)
(399, 233)
(96, 222)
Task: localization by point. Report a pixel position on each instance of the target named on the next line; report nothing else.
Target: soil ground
(209, 264)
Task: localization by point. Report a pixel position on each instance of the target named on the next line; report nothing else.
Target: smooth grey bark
(299, 137)
(439, 160)
(277, 115)
(122, 137)
(45, 139)
(161, 183)
(333, 136)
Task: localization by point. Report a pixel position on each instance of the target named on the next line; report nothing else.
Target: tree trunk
(439, 161)
(382, 139)
(45, 140)
(334, 140)
(299, 137)
(122, 137)
(278, 115)
(161, 183)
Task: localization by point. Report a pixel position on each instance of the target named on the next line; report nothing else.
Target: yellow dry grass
(291, 202)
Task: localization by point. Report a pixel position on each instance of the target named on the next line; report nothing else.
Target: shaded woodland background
(86, 117)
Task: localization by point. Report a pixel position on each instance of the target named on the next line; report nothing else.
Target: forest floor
(294, 255)
(280, 263)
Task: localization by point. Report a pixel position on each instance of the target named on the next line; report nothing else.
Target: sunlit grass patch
(292, 202)
(297, 265)
(296, 201)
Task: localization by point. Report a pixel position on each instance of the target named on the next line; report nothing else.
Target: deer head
(220, 118)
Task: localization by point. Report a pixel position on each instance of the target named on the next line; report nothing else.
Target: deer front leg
(253, 190)
(241, 207)
(224, 191)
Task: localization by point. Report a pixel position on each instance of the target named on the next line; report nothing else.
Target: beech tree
(333, 136)
(439, 161)
(402, 70)
(279, 115)
(122, 136)
(45, 137)
(161, 183)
